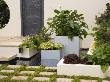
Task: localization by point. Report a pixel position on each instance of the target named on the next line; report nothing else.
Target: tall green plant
(68, 23)
(102, 31)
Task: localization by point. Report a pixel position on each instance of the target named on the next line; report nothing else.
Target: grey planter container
(51, 54)
(70, 46)
(50, 57)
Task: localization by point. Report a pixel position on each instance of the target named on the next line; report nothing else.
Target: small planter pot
(27, 53)
(50, 57)
(70, 46)
(81, 70)
(50, 54)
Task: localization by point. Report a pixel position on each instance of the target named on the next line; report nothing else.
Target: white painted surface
(50, 54)
(13, 28)
(27, 53)
(70, 46)
(90, 8)
(8, 53)
(8, 50)
(4, 57)
(81, 69)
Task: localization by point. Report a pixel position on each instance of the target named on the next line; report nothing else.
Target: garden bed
(81, 69)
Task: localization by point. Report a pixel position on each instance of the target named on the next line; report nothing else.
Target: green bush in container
(36, 40)
(68, 23)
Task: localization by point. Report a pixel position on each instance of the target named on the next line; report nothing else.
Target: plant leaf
(104, 68)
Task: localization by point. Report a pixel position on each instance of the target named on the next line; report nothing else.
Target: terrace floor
(17, 73)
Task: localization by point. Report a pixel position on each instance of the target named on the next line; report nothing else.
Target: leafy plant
(50, 45)
(101, 56)
(101, 53)
(68, 23)
(102, 31)
(36, 40)
(4, 14)
(28, 43)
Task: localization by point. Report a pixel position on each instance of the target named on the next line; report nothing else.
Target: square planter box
(50, 54)
(27, 53)
(70, 46)
(81, 70)
(50, 57)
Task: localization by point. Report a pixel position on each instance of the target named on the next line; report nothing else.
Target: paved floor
(17, 73)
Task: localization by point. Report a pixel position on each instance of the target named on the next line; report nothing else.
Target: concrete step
(10, 45)
(9, 49)
(7, 57)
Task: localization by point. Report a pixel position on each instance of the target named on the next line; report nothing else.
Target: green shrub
(101, 56)
(68, 23)
(102, 31)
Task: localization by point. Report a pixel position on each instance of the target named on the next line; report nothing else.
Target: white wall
(90, 8)
(13, 28)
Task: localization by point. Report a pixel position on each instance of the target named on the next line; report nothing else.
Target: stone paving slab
(82, 80)
(41, 78)
(27, 72)
(94, 80)
(50, 67)
(8, 71)
(2, 76)
(105, 81)
(33, 67)
(64, 80)
(47, 73)
(19, 78)
(14, 66)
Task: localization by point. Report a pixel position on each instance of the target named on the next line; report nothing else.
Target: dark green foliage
(68, 23)
(4, 14)
(101, 53)
(102, 31)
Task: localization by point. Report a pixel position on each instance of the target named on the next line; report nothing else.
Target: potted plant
(98, 62)
(30, 45)
(69, 26)
(51, 50)
(27, 49)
